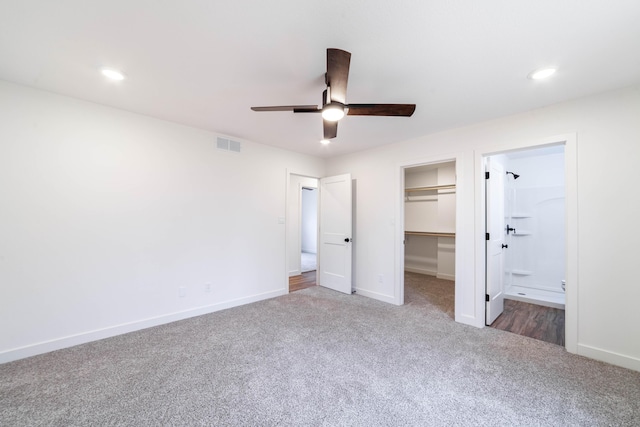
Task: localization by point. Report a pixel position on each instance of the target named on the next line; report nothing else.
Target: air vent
(228, 145)
(223, 144)
(234, 146)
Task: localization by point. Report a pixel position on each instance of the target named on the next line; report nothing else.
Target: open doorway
(526, 236)
(429, 235)
(333, 233)
(309, 230)
(302, 232)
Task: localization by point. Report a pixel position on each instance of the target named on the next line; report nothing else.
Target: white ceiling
(203, 63)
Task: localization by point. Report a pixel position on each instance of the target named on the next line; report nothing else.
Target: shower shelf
(522, 272)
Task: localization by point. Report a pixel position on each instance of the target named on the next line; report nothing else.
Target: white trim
(98, 334)
(571, 186)
(446, 276)
(377, 296)
(299, 231)
(421, 271)
(462, 234)
(609, 357)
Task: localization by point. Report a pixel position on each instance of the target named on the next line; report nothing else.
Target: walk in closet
(430, 215)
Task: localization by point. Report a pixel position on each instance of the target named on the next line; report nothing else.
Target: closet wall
(430, 213)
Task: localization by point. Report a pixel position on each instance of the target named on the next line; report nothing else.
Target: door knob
(504, 246)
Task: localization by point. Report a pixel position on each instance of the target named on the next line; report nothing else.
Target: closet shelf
(429, 233)
(521, 215)
(521, 233)
(430, 188)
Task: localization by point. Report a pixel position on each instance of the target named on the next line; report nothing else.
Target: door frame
(400, 185)
(287, 219)
(569, 141)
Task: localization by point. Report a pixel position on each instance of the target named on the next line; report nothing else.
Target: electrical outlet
(182, 291)
(207, 287)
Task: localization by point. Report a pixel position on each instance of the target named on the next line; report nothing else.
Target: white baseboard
(476, 322)
(376, 295)
(446, 276)
(294, 273)
(609, 357)
(421, 271)
(85, 337)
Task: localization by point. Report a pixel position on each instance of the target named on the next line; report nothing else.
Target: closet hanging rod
(431, 187)
(426, 233)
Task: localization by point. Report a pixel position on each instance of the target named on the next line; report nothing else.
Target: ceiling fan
(334, 98)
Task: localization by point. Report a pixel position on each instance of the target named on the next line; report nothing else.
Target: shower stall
(534, 263)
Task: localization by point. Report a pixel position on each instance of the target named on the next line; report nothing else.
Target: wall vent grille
(228, 145)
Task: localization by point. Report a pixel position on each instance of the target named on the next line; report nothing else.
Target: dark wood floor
(303, 281)
(531, 320)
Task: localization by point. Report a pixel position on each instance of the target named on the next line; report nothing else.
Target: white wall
(309, 221)
(608, 148)
(105, 214)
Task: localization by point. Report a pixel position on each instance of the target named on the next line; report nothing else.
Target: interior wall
(309, 219)
(108, 217)
(607, 129)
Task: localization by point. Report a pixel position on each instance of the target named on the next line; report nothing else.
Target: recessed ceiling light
(112, 74)
(325, 141)
(542, 73)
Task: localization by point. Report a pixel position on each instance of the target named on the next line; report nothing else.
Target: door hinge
(486, 175)
(487, 236)
(486, 298)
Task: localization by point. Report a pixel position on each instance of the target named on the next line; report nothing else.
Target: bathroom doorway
(526, 265)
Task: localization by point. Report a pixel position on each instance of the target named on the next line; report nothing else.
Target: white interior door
(495, 225)
(334, 264)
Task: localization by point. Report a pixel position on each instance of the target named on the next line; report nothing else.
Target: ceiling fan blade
(286, 108)
(404, 110)
(330, 129)
(338, 74)
(310, 109)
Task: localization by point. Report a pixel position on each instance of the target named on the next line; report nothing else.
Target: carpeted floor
(318, 358)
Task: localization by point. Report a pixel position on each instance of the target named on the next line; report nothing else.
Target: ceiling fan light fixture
(333, 112)
(542, 73)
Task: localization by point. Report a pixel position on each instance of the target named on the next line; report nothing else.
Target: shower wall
(535, 208)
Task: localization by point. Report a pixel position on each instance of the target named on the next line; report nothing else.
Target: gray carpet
(318, 358)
